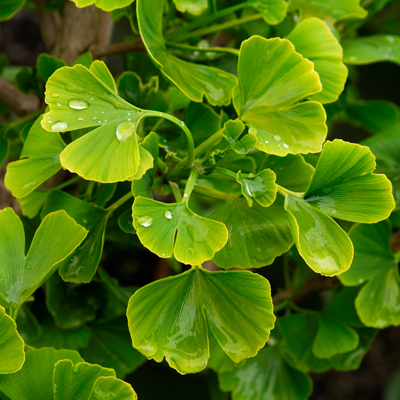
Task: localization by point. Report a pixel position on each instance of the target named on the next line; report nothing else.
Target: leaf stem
(13, 313)
(68, 182)
(191, 182)
(284, 192)
(175, 191)
(218, 27)
(203, 49)
(119, 202)
(227, 172)
(205, 20)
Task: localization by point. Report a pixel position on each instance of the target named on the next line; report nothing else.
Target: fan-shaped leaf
(106, 5)
(273, 11)
(195, 7)
(272, 78)
(170, 318)
(9, 8)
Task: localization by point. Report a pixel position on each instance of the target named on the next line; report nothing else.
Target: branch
(22, 104)
(49, 22)
(102, 50)
(316, 284)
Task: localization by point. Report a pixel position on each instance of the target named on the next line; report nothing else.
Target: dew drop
(168, 214)
(99, 122)
(59, 104)
(59, 126)
(145, 221)
(265, 142)
(55, 388)
(277, 138)
(55, 94)
(185, 195)
(80, 119)
(129, 113)
(129, 119)
(105, 120)
(102, 112)
(78, 104)
(286, 146)
(84, 221)
(182, 124)
(94, 118)
(28, 267)
(8, 382)
(125, 131)
(92, 98)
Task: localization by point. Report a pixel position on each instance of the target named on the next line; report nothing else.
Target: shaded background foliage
(21, 41)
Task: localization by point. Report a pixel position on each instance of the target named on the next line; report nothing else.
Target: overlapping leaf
(273, 11)
(40, 159)
(313, 39)
(272, 79)
(9, 8)
(170, 318)
(339, 9)
(56, 238)
(168, 229)
(196, 81)
(371, 49)
(110, 152)
(195, 7)
(12, 355)
(106, 5)
(267, 375)
(378, 303)
(257, 235)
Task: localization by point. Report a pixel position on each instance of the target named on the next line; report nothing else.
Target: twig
(102, 50)
(22, 104)
(49, 24)
(314, 285)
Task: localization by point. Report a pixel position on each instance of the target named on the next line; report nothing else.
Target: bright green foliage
(195, 7)
(106, 5)
(195, 81)
(272, 78)
(12, 355)
(334, 10)
(9, 8)
(197, 238)
(35, 379)
(46, 65)
(313, 39)
(370, 49)
(260, 187)
(40, 160)
(273, 11)
(170, 318)
(81, 265)
(57, 236)
(256, 235)
(378, 303)
(265, 375)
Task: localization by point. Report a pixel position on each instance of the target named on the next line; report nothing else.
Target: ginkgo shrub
(209, 161)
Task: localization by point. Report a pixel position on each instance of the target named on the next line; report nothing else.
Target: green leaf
(232, 130)
(35, 380)
(32, 203)
(57, 236)
(260, 187)
(344, 187)
(292, 172)
(40, 161)
(313, 39)
(378, 303)
(168, 229)
(195, 80)
(108, 153)
(267, 376)
(339, 9)
(322, 243)
(371, 49)
(82, 264)
(110, 388)
(12, 355)
(46, 65)
(273, 11)
(106, 5)
(9, 8)
(256, 235)
(170, 317)
(195, 7)
(111, 346)
(272, 78)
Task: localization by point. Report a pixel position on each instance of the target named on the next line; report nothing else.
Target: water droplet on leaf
(125, 131)
(59, 126)
(78, 104)
(286, 146)
(277, 138)
(59, 104)
(80, 119)
(168, 214)
(55, 94)
(145, 221)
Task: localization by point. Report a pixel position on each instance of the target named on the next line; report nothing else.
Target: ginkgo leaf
(57, 236)
(195, 80)
(257, 235)
(12, 355)
(343, 185)
(378, 302)
(170, 318)
(273, 11)
(267, 375)
(106, 5)
(313, 39)
(260, 187)
(322, 243)
(80, 265)
(40, 160)
(339, 9)
(32, 203)
(35, 379)
(9, 8)
(168, 229)
(371, 49)
(110, 388)
(195, 7)
(272, 79)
